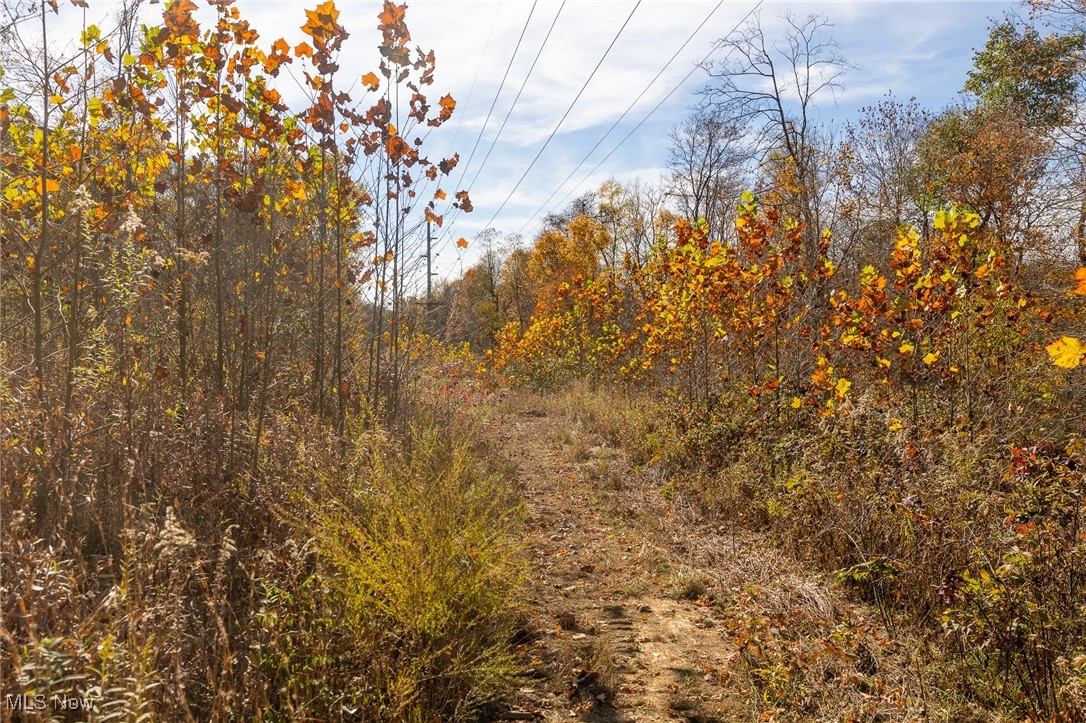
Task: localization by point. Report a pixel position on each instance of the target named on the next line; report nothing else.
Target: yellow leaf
(128, 320)
(931, 357)
(907, 348)
(796, 402)
(895, 424)
(1066, 352)
(843, 385)
(884, 362)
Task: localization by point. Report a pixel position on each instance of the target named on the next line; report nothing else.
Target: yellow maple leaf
(1066, 352)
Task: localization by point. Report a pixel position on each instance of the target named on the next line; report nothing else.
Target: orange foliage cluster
(705, 318)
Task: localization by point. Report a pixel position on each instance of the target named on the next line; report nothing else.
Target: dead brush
(165, 610)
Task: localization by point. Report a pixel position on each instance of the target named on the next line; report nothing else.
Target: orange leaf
(398, 149)
(371, 81)
(462, 244)
(50, 185)
(1080, 280)
(392, 14)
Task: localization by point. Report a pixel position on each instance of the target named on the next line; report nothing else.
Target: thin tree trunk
(42, 492)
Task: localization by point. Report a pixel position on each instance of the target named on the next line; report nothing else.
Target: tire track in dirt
(611, 642)
(644, 608)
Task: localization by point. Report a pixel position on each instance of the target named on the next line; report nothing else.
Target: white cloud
(921, 49)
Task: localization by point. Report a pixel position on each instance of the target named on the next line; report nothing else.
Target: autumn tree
(995, 155)
(771, 89)
(516, 285)
(396, 166)
(559, 256)
(707, 160)
(883, 174)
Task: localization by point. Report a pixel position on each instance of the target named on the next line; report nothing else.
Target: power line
(482, 59)
(655, 108)
(471, 92)
(626, 112)
(508, 114)
(517, 98)
(489, 113)
(501, 86)
(645, 118)
(564, 115)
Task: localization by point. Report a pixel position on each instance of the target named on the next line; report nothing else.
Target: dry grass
(244, 600)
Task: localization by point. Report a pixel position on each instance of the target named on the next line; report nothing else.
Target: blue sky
(921, 49)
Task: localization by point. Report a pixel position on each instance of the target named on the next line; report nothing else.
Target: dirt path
(614, 642)
(639, 612)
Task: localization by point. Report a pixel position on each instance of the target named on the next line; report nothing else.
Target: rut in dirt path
(615, 643)
(642, 609)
